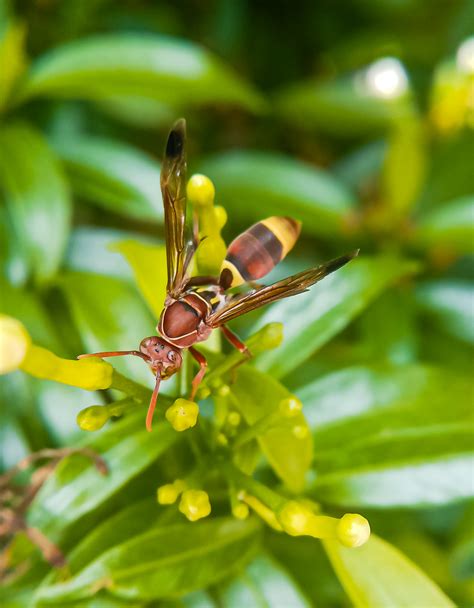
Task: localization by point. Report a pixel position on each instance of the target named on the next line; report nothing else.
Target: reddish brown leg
(239, 345)
(201, 359)
(235, 341)
(116, 353)
(151, 407)
(50, 551)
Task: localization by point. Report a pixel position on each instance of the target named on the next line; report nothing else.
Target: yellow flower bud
(90, 374)
(290, 407)
(222, 440)
(210, 253)
(294, 518)
(200, 191)
(353, 530)
(183, 414)
(194, 504)
(223, 390)
(168, 494)
(240, 511)
(234, 418)
(220, 217)
(93, 418)
(14, 344)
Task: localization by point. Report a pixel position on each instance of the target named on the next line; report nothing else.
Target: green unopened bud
(240, 511)
(195, 504)
(183, 414)
(234, 418)
(14, 344)
(353, 530)
(270, 336)
(290, 407)
(200, 191)
(93, 418)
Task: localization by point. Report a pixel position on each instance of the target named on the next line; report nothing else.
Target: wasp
(195, 306)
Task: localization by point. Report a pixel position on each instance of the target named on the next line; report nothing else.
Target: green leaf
(338, 107)
(110, 316)
(37, 198)
(77, 488)
(253, 185)
(166, 69)
(404, 167)
(165, 561)
(450, 304)
(12, 57)
(449, 225)
(314, 318)
(258, 396)
(378, 574)
(148, 263)
(407, 436)
(263, 584)
(112, 175)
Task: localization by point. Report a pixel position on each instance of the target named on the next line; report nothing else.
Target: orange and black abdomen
(258, 250)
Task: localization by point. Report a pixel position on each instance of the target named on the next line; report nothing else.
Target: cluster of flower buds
(194, 504)
(211, 220)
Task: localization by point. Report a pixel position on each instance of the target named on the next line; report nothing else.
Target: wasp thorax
(163, 357)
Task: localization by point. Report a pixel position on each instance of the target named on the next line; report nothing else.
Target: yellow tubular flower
(14, 344)
(194, 504)
(298, 519)
(17, 352)
(90, 374)
(183, 414)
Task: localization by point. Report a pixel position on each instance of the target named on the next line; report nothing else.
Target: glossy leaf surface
(254, 185)
(166, 69)
(165, 561)
(378, 574)
(115, 176)
(257, 395)
(313, 318)
(37, 197)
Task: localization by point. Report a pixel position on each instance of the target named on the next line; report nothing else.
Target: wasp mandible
(194, 306)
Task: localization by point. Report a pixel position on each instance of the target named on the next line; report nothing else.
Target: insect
(195, 306)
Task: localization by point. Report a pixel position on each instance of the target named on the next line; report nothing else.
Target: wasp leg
(239, 345)
(201, 359)
(236, 342)
(117, 353)
(50, 551)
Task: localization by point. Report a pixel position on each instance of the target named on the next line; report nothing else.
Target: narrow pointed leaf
(164, 562)
(257, 395)
(253, 185)
(313, 318)
(37, 198)
(167, 69)
(112, 175)
(378, 574)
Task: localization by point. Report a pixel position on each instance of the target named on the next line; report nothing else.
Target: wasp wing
(285, 288)
(173, 189)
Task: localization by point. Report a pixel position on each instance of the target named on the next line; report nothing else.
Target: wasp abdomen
(258, 250)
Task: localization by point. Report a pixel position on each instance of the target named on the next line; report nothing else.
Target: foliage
(303, 113)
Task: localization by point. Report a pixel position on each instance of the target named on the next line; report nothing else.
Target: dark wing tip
(341, 261)
(176, 139)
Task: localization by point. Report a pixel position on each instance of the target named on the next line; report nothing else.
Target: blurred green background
(354, 116)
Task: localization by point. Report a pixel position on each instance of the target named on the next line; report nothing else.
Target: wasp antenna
(151, 407)
(176, 138)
